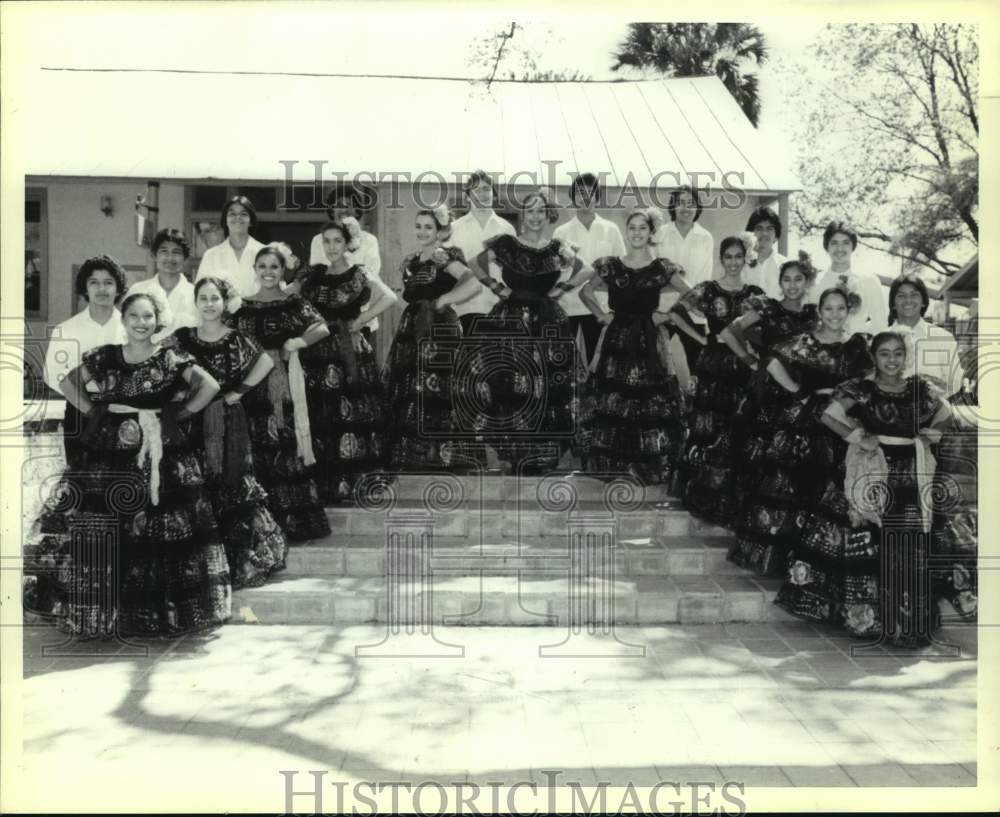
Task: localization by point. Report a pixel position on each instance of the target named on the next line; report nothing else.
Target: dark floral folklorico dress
(255, 544)
(418, 372)
(709, 464)
(770, 468)
(523, 382)
(346, 400)
(631, 416)
(825, 535)
(292, 497)
(916, 568)
(172, 577)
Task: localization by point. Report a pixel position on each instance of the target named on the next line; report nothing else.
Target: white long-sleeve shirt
(873, 315)
(367, 255)
(766, 275)
(936, 357)
(602, 238)
(469, 237)
(694, 253)
(221, 260)
(72, 338)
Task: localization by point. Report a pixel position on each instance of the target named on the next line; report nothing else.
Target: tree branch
(504, 38)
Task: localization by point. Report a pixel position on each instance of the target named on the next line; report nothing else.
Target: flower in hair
(292, 262)
(232, 299)
(749, 241)
(806, 265)
(847, 285)
(656, 219)
(442, 215)
(909, 343)
(353, 230)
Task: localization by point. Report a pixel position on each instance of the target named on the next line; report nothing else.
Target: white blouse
(221, 260)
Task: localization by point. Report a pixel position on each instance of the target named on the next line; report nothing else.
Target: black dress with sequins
(771, 473)
(419, 374)
(894, 593)
(824, 532)
(344, 386)
(292, 496)
(631, 416)
(255, 544)
(521, 383)
(710, 465)
(113, 527)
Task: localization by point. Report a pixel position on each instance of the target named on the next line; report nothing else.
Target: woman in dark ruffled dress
(346, 399)
(631, 416)
(255, 545)
(283, 324)
(811, 366)
(525, 375)
(889, 424)
(133, 519)
(770, 468)
(709, 465)
(418, 389)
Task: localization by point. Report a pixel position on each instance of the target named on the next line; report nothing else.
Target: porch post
(783, 218)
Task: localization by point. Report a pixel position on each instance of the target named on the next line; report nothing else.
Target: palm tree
(727, 50)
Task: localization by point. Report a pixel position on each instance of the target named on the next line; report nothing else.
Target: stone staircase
(561, 550)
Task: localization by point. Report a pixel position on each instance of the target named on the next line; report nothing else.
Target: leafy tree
(888, 138)
(731, 51)
(504, 53)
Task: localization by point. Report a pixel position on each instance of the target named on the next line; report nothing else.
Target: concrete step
(550, 490)
(479, 520)
(366, 556)
(508, 600)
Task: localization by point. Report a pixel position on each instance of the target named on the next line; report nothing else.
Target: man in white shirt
(171, 250)
(469, 233)
(594, 237)
(766, 270)
(367, 254)
(692, 247)
(935, 350)
(101, 282)
(872, 317)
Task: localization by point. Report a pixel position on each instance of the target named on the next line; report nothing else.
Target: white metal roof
(186, 125)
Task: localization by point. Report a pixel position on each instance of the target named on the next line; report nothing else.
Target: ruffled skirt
(103, 559)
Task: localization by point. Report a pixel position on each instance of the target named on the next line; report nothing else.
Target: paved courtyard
(775, 705)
